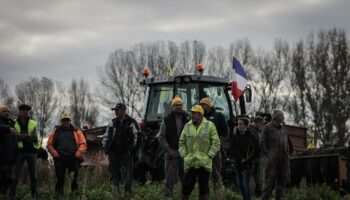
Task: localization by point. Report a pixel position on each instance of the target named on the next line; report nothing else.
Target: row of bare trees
(321, 73)
(49, 99)
(309, 80)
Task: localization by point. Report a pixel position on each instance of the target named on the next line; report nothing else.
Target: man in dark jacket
(221, 126)
(244, 149)
(169, 135)
(119, 143)
(8, 149)
(276, 150)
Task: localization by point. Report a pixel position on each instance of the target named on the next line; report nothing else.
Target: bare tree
(199, 51)
(323, 78)
(120, 82)
(298, 82)
(269, 75)
(185, 58)
(81, 104)
(173, 54)
(217, 63)
(242, 50)
(39, 94)
(5, 97)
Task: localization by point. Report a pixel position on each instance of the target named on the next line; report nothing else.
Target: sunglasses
(65, 120)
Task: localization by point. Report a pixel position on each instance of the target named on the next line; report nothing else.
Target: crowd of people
(19, 144)
(192, 145)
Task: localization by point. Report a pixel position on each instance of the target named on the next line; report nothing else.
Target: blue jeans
(243, 180)
(31, 159)
(174, 170)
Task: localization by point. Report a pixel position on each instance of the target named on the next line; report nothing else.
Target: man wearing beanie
(169, 135)
(221, 125)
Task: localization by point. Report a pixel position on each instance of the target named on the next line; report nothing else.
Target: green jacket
(199, 146)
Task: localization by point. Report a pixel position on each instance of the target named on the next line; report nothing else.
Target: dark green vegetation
(94, 185)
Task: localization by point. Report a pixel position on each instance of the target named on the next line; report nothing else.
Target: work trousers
(216, 173)
(276, 173)
(190, 180)
(258, 171)
(174, 171)
(31, 159)
(121, 168)
(6, 170)
(62, 165)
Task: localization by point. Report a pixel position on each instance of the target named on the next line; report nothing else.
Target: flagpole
(235, 105)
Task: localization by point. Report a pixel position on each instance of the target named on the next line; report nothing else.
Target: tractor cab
(191, 88)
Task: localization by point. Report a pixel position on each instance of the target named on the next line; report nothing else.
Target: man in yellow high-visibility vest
(27, 147)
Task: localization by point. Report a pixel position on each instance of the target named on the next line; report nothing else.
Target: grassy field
(94, 185)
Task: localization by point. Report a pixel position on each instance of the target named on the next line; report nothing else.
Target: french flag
(239, 79)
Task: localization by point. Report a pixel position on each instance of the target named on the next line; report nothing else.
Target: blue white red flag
(239, 79)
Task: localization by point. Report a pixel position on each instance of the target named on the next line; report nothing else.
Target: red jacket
(79, 141)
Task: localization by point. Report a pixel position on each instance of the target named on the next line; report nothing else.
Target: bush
(321, 192)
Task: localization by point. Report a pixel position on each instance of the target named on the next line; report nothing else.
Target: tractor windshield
(160, 96)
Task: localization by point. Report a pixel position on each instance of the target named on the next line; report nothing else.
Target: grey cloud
(69, 39)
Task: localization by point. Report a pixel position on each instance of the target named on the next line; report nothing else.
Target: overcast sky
(67, 39)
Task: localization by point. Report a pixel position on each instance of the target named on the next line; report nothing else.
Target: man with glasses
(66, 144)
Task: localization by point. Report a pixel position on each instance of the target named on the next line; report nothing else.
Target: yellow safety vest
(31, 128)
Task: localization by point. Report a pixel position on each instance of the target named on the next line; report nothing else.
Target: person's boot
(203, 197)
(185, 197)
